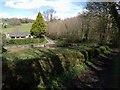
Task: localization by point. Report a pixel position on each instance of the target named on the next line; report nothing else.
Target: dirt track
(104, 73)
(49, 41)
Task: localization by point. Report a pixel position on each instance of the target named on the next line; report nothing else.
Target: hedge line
(23, 41)
(91, 53)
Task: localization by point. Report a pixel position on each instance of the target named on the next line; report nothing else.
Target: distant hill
(10, 22)
(25, 27)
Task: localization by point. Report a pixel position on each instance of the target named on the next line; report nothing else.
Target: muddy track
(101, 74)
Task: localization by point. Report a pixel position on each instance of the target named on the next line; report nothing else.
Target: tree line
(100, 24)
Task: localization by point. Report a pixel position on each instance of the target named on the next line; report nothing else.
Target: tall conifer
(39, 27)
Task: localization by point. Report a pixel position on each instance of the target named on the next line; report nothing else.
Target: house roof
(18, 34)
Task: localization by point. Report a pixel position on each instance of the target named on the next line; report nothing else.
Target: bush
(42, 39)
(102, 48)
(107, 48)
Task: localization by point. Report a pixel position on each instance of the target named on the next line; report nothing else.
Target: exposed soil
(103, 73)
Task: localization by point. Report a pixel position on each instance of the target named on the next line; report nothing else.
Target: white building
(18, 35)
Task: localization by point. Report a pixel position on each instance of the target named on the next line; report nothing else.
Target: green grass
(22, 28)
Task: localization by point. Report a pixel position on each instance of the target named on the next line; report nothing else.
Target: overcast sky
(30, 8)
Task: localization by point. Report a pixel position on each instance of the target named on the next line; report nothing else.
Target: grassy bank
(45, 68)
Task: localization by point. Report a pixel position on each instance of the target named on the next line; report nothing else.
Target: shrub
(107, 48)
(102, 48)
(42, 40)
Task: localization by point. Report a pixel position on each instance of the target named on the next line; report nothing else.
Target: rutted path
(104, 73)
(49, 41)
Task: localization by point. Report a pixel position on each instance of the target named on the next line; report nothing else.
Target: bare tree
(48, 14)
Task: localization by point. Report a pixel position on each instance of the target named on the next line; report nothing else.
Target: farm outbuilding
(18, 35)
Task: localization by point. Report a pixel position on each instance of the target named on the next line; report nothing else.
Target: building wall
(19, 37)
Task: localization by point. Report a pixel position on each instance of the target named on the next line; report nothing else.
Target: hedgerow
(23, 41)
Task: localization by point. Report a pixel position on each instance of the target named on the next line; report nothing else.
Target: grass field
(22, 28)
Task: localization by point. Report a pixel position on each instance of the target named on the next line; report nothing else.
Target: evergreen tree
(39, 27)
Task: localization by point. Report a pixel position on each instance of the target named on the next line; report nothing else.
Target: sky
(30, 8)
